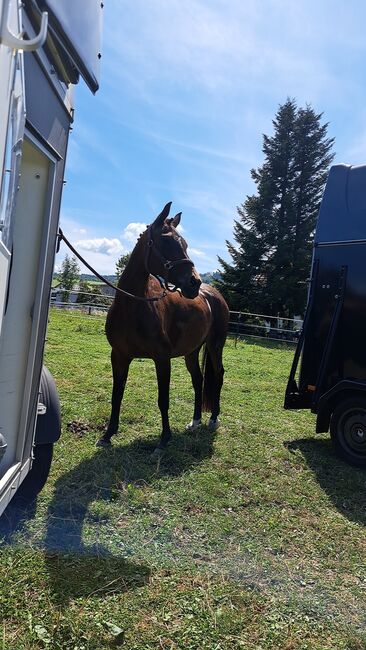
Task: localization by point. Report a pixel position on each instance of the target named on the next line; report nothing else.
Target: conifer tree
(271, 256)
(121, 265)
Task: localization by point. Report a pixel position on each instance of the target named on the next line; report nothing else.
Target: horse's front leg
(163, 367)
(120, 366)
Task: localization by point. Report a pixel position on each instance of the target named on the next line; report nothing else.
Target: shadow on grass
(108, 474)
(84, 576)
(77, 568)
(14, 520)
(345, 485)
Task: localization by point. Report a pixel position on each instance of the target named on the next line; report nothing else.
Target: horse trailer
(45, 46)
(332, 348)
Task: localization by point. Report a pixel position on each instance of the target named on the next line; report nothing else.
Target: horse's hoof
(103, 443)
(193, 425)
(213, 424)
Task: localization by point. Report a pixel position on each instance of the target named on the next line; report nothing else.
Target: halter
(168, 265)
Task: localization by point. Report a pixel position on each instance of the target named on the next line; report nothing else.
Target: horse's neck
(135, 276)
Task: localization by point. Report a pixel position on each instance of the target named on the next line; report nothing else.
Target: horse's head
(167, 254)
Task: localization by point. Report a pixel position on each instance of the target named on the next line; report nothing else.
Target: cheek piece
(168, 265)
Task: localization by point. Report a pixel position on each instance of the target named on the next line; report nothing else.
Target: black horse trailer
(332, 345)
(45, 46)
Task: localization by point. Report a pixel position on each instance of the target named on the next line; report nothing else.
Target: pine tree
(121, 265)
(272, 255)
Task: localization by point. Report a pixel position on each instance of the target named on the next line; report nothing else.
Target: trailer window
(12, 160)
(5, 189)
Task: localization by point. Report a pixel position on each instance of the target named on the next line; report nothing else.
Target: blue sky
(187, 90)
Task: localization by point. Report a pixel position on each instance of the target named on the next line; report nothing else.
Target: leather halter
(168, 265)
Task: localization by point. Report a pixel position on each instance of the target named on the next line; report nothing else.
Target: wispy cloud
(230, 47)
(187, 90)
(197, 253)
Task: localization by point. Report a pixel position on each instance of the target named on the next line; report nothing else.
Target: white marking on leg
(194, 424)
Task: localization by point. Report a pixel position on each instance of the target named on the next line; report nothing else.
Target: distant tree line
(271, 256)
(89, 292)
(70, 279)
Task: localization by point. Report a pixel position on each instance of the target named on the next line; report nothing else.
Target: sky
(188, 87)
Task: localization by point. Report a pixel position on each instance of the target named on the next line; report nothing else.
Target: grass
(250, 537)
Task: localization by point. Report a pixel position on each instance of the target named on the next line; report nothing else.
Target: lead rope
(61, 237)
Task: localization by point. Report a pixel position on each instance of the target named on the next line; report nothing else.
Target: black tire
(48, 428)
(37, 477)
(348, 431)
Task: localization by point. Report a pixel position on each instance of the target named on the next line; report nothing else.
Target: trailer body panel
(36, 112)
(331, 351)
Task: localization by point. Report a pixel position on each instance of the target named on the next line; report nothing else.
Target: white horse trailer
(45, 46)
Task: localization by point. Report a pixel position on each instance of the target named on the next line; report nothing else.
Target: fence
(241, 324)
(277, 328)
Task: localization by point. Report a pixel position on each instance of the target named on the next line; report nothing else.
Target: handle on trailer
(17, 42)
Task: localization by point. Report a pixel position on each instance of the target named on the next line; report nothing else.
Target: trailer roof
(342, 214)
(75, 26)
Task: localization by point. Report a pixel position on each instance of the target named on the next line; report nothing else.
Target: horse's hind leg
(120, 366)
(163, 368)
(193, 367)
(215, 366)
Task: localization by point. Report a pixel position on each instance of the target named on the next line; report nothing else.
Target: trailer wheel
(47, 432)
(37, 477)
(348, 431)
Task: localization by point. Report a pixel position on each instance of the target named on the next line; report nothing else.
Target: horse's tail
(209, 384)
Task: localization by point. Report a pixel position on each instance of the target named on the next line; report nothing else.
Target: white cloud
(71, 227)
(102, 245)
(132, 231)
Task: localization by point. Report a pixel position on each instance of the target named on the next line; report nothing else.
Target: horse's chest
(149, 333)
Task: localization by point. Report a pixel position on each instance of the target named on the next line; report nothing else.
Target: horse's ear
(159, 221)
(176, 220)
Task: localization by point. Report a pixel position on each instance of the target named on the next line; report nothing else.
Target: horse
(149, 319)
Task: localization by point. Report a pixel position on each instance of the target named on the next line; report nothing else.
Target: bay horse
(161, 326)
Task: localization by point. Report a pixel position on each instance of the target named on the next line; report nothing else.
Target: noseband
(168, 265)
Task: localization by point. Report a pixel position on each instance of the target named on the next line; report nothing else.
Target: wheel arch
(329, 401)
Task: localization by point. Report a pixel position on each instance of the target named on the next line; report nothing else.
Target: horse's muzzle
(192, 287)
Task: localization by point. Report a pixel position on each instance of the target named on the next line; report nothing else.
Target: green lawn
(250, 537)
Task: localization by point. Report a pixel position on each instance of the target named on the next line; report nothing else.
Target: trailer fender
(323, 420)
(48, 427)
(330, 400)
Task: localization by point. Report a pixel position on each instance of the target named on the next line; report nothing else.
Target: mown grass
(250, 537)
